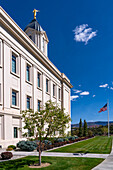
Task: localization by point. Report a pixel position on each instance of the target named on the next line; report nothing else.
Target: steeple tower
(37, 34)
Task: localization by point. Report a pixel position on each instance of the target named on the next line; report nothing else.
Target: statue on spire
(35, 11)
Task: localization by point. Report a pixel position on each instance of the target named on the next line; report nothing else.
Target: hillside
(93, 124)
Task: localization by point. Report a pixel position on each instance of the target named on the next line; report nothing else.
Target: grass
(57, 163)
(99, 144)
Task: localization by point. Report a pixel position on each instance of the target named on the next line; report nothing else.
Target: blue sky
(86, 59)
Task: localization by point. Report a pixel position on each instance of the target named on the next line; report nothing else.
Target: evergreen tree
(80, 128)
(85, 128)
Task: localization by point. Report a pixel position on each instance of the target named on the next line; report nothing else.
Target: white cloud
(74, 97)
(79, 85)
(83, 33)
(111, 88)
(84, 93)
(104, 85)
(76, 91)
(94, 95)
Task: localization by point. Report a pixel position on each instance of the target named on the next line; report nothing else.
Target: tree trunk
(40, 151)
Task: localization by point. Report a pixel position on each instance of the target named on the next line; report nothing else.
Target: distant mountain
(93, 124)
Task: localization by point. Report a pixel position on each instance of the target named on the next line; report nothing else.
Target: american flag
(104, 108)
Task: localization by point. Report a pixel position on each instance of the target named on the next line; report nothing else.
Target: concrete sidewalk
(59, 154)
(107, 164)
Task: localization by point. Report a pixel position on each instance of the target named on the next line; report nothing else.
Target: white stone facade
(15, 42)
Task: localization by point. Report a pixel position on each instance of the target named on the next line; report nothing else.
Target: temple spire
(35, 11)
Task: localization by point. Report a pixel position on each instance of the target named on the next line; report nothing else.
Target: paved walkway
(59, 154)
(107, 164)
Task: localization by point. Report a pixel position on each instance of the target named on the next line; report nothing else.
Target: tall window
(28, 102)
(15, 132)
(59, 93)
(39, 79)
(39, 106)
(14, 102)
(53, 89)
(28, 73)
(47, 85)
(13, 64)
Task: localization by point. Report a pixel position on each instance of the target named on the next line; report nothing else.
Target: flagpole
(108, 115)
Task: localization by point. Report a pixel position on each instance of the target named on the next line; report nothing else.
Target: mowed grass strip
(57, 163)
(99, 144)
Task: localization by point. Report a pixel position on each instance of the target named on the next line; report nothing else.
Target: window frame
(17, 61)
(14, 61)
(54, 92)
(47, 85)
(27, 73)
(38, 105)
(27, 102)
(14, 98)
(17, 98)
(59, 93)
(39, 80)
(16, 132)
(28, 64)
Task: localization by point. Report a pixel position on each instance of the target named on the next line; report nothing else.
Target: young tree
(90, 133)
(85, 128)
(105, 130)
(80, 127)
(52, 116)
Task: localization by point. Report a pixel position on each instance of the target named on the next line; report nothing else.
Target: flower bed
(60, 142)
(47, 144)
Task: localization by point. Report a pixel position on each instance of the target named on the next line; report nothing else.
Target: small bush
(47, 142)
(66, 139)
(6, 155)
(12, 146)
(60, 140)
(50, 146)
(27, 145)
(9, 149)
(56, 144)
(72, 138)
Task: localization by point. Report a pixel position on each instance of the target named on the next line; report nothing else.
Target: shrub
(60, 140)
(6, 155)
(90, 133)
(50, 146)
(56, 144)
(9, 149)
(72, 138)
(12, 146)
(47, 142)
(27, 145)
(66, 139)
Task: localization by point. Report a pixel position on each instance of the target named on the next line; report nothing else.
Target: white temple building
(28, 78)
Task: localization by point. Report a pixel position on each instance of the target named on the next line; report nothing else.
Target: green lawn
(99, 144)
(57, 163)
